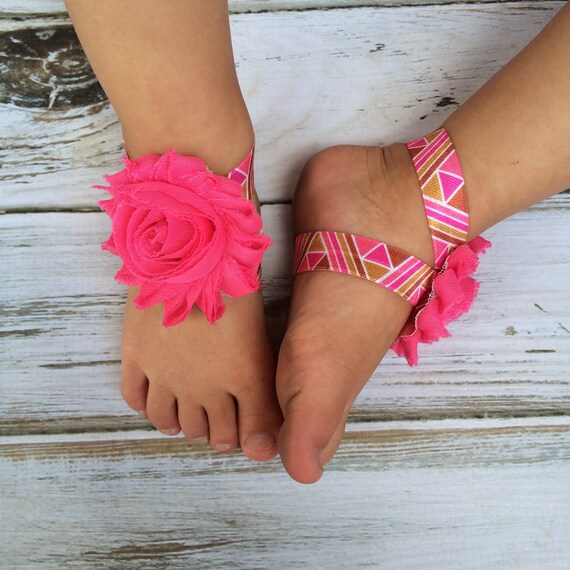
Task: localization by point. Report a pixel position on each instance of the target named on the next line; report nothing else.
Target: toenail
(142, 413)
(260, 441)
(223, 446)
(170, 431)
(199, 440)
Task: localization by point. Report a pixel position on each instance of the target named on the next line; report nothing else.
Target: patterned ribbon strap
(243, 175)
(443, 192)
(363, 257)
(445, 204)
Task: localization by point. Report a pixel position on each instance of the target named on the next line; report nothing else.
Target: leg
(168, 70)
(341, 327)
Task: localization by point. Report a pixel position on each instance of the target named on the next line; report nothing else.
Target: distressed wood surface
(460, 464)
(452, 495)
(57, 7)
(311, 78)
(60, 320)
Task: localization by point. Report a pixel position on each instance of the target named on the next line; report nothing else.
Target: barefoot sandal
(437, 294)
(185, 235)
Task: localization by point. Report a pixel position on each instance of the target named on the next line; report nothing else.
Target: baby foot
(214, 383)
(340, 327)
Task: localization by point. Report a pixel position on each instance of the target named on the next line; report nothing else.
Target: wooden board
(60, 320)
(57, 7)
(453, 495)
(312, 79)
(460, 464)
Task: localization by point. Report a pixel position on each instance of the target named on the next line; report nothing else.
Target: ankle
(367, 191)
(403, 196)
(399, 167)
(222, 141)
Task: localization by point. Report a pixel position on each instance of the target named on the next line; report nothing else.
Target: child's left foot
(340, 327)
(185, 235)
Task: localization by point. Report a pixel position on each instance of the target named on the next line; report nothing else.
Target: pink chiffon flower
(452, 294)
(185, 235)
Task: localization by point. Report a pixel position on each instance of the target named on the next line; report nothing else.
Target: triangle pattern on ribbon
(243, 175)
(378, 255)
(374, 271)
(378, 262)
(450, 183)
(441, 179)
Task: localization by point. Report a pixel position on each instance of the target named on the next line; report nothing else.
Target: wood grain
(47, 70)
(60, 320)
(57, 7)
(453, 497)
(460, 464)
(352, 76)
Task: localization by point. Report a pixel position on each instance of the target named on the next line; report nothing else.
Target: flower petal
(184, 234)
(453, 292)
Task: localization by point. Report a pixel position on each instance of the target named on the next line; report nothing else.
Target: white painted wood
(238, 6)
(22, 445)
(467, 498)
(85, 484)
(312, 79)
(60, 319)
(56, 7)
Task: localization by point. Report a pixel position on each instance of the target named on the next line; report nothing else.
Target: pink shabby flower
(452, 294)
(185, 235)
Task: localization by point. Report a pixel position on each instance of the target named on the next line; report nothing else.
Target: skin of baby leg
(169, 72)
(511, 138)
(511, 135)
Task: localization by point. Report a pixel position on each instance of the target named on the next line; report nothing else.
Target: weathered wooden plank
(57, 7)
(60, 320)
(385, 445)
(394, 497)
(351, 76)
(46, 69)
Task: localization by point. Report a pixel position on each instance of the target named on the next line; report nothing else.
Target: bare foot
(340, 326)
(212, 382)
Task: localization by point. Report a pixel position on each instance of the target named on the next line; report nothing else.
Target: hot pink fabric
(185, 235)
(453, 292)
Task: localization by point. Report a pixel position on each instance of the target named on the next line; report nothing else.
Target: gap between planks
(412, 444)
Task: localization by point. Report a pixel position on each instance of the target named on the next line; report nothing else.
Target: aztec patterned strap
(443, 192)
(445, 203)
(363, 257)
(243, 174)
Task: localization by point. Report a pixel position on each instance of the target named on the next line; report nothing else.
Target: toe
(259, 420)
(193, 420)
(162, 410)
(222, 418)
(327, 356)
(315, 414)
(134, 386)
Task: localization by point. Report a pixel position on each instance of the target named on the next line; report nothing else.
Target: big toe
(315, 407)
(330, 350)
